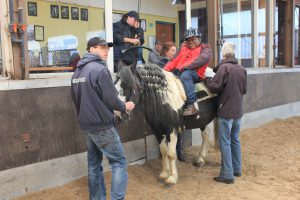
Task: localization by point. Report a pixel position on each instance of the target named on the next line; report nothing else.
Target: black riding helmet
(192, 32)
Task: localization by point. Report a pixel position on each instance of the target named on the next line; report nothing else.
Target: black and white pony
(163, 97)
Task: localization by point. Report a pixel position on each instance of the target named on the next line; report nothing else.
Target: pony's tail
(216, 136)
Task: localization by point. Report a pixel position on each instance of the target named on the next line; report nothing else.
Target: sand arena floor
(271, 170)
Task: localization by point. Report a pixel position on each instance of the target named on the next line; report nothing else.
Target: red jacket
(195, 59)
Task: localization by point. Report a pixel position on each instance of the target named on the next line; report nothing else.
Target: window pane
(296, 41)
(261, 28)
(199, 19)
(58, 33)
(236, 19)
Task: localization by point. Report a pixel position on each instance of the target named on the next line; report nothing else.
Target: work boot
(190, 110)
(180, 147)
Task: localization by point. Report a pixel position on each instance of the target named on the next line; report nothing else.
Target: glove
(209, 72)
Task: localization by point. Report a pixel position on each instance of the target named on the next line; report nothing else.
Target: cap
(95, 41)
(134, 14)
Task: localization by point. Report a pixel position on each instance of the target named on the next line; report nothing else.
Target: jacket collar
(231, 59)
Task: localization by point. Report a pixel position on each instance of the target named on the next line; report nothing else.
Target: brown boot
(190, 110)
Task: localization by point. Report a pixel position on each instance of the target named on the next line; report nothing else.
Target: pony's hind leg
(199, 161)
(163, 146)
(173, 174)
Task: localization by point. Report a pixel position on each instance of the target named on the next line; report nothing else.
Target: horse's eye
(124, 86)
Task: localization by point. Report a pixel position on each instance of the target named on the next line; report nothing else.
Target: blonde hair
(228, 50)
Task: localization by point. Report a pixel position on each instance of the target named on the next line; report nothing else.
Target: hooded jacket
(231, 84)
(94, 94)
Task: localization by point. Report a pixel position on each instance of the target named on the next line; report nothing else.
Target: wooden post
(213, 29)
(20, 72)
(6, 46)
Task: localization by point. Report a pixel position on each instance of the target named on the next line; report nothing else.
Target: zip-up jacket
(94, 94)
(193, 59)
(123, 30)
(231, 84)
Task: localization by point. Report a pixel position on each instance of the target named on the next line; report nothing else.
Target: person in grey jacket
(230, 84)
(154, 55)
(95, 98)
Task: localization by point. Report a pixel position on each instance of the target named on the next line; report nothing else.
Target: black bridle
(135, 63)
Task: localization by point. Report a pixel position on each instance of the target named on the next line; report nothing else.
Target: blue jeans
(188, 78)
(230, 147)
(106, 142)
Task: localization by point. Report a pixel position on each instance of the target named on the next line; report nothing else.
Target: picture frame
(143, 25)
(64, 11)
(32, 8)
(74, 13)
(38, 33)
(54, 11)
(84, 14)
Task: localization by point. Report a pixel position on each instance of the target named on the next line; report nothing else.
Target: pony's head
(128, 74)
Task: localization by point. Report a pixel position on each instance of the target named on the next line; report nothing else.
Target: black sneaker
(223, 180)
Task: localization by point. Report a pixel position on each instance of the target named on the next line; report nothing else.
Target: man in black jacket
(95, 98)
(231, 84)
(127, 33)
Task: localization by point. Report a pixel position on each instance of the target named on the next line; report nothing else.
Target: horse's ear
(127, 77)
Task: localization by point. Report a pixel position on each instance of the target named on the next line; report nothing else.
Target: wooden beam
(270, 34)
(289, 33)
(6, 47)
(212, 24)
(20, 72)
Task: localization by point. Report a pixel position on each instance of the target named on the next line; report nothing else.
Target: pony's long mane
(163, 97)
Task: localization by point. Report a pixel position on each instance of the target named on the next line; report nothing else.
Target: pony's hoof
(163, 175)
(171, 180)
(198, 162)
(161, 181)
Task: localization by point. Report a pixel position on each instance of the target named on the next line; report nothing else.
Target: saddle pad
(202, 93)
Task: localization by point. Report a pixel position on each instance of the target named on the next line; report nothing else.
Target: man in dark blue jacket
(95, 98)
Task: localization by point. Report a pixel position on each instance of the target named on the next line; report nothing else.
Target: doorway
(165, 32)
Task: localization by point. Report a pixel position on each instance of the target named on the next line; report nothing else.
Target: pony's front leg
(165, 160)
(173, 174)
(199, 161)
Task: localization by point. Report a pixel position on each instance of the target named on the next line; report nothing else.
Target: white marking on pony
(165, 161)
(176, 95)
(168, 152)
(173, 174)
(199, 161)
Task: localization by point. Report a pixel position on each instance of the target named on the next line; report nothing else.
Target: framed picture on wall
(143, 24)
(64, 12)
(74, 13)
(84, 14)
(54, 11)
(32, 8)
(38, 33)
